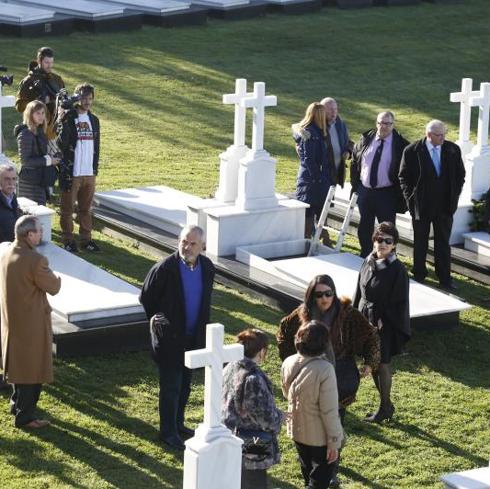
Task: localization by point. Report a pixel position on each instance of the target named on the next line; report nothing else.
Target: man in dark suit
(374, 176)
(178, 291)
(431, 177)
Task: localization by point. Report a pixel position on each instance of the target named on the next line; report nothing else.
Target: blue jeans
(175, 387)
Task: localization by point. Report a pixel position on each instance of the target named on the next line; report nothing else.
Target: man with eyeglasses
(374, 176)
(432, 176)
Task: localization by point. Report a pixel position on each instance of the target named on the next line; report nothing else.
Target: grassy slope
(159, 100)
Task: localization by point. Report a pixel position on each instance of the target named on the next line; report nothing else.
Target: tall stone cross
(240, 112)
(259, 101)
(5, 101)
(212, 358)
(483, 102)
(464, 98)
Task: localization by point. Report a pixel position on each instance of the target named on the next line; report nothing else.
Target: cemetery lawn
(105, 417)
(159, 100)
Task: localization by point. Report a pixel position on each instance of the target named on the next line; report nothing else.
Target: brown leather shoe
(36, 423)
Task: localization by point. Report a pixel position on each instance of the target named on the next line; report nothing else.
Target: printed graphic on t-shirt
(84, 131)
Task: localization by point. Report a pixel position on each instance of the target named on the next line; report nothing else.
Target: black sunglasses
(388, 241)
(326, 293)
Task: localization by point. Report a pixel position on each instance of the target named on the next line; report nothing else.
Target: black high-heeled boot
(381, 414)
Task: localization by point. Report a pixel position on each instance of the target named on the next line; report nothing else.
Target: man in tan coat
(25, 278)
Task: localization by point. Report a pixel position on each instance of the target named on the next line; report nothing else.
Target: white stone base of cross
(256, 181)
(228, 173)
(213, 457)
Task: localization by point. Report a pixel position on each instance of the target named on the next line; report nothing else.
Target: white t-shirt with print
(84, 150)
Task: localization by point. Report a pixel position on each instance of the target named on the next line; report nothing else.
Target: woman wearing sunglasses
(382, 297)
(350, 334)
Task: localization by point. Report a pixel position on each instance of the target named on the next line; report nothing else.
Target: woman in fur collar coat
(382, 297)
(313, 180)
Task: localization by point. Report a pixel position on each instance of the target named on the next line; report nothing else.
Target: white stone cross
(483, 102)
(464, 98)
(240, 112)
(5, 101)
(259, 101)
(212, 358)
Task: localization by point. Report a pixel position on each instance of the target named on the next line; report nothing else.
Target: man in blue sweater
(176, 296)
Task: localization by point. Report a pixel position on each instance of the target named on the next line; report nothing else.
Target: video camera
(6, 79)
(66, 101)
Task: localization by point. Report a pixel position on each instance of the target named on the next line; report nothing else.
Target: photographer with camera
(79, 142)
(41, 84)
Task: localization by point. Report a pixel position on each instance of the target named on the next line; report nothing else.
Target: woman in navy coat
(313, 179)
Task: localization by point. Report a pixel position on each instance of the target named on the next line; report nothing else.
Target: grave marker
(213, 457)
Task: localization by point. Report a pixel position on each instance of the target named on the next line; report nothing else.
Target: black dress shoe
(184, 430)
(174, 442)
(449, 286)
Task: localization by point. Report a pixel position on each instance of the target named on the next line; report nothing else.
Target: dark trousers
(317, 473)
(374, 204)
(23, 403)
(254, 479)
(175, 387)
(442, 251)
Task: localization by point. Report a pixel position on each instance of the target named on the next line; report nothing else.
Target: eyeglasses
(383, 123)
(388, 241)
(323, 293)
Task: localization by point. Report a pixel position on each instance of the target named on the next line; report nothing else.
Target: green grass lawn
(159, 100)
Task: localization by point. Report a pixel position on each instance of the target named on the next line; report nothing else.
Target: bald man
(432, 177)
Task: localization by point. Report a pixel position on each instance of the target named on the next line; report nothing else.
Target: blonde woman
(38, 169)
(313, 180)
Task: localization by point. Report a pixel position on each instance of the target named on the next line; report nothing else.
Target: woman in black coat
(382, 297)
(37, 171)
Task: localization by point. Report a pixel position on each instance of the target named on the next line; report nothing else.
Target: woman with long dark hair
(382, 297)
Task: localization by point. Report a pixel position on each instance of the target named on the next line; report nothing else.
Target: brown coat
(356, 335)
(310, 386)
(25, 278)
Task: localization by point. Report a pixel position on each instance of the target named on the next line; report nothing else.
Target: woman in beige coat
(309, 384)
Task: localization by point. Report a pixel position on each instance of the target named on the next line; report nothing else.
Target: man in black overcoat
(431, 177)
(178, 291)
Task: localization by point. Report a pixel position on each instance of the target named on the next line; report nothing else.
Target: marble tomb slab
(88, 293)
(344, 269)
(461, 219)
(155, 7)
(469, 479)
(77, 8)
(479, 242)
(21, 14)
(160, 206)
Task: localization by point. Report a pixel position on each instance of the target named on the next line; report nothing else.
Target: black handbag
(256, 442)
(348, 378)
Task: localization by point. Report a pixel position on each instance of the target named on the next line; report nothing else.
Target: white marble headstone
(213, 456)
